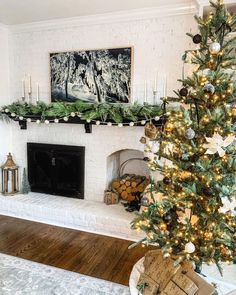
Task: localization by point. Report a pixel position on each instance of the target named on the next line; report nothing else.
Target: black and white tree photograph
(93, 75)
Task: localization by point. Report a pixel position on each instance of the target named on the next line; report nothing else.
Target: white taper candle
(145, 91)
(37, 96)
(23, 89)
(30, 88)
(155, 82)
(165, 86)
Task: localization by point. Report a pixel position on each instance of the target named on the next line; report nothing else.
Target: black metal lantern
(10, 177)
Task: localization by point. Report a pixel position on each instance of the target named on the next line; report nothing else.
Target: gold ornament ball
(208, 235)
(185, 174)
(169, 127)
(233, 111)
(226, 252)
(162, 226)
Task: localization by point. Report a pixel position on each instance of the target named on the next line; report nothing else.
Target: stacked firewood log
(130, 186)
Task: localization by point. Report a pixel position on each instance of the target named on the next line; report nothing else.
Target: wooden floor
(90, 254)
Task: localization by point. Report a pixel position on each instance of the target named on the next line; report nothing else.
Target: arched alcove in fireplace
(125, 161)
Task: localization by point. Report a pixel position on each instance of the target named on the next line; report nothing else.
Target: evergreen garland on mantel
(99, 112)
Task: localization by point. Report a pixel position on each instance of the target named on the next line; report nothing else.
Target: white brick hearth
(83, 215)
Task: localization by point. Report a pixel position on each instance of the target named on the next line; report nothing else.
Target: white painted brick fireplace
(99, 145)
(158, 37)
(91, 214)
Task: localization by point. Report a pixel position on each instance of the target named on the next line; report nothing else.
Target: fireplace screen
(56, 169)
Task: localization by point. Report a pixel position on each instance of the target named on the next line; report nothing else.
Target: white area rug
(23, 277)
(78, 214)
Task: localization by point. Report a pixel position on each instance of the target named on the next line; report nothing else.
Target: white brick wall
(158, 46)
(5, 131)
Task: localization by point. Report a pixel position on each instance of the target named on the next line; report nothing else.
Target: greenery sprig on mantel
(104, 112)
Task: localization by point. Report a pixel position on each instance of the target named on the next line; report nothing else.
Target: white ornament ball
(157, 118)
(6, 111)
(120, 125)
(190, 133)
(38, 121)
(72, 114)
(131, 124)
(166, 255)
(21, 118)
(214, 48)
(189, 248)
(155, 147)
(28, 120)
(206, 72)
(56, 121)
(143, 122)
(98, 122)
(209, 88)
(65, 119)
(109, 124)
(46, 122)
(88, 120)
(13, 114)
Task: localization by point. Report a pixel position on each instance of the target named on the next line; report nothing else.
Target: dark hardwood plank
(86, 253)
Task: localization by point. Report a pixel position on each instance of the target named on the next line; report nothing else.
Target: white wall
(158, 46)
(5, 130)
(4, 65)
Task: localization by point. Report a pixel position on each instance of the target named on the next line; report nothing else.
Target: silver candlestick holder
(29, 97)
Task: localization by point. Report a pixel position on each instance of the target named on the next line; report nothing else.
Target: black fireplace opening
(56, 169)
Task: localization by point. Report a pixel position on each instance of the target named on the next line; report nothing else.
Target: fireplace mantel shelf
(77, 120)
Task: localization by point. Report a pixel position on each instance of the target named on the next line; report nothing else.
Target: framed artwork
(102, 75)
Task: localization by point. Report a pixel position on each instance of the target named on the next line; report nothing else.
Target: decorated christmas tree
(189, 212)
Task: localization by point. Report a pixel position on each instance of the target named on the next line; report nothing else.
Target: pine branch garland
(104, 112)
